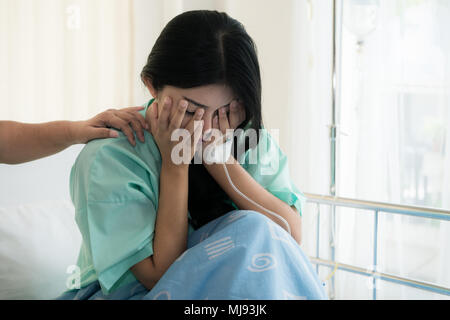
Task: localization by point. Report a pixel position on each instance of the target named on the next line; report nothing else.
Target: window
(394, 138)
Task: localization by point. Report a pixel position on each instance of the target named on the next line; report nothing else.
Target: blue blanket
(241, 255)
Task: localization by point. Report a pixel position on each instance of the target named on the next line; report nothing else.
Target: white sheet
(38, 243)
(39, 238)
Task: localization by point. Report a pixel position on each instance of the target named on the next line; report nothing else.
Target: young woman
(156, 228)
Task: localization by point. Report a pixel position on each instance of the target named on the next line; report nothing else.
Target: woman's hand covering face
(164, 121)
(226, 122)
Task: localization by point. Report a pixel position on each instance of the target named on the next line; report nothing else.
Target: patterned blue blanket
(240, 255)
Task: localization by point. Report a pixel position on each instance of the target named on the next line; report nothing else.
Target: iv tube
(253, 202)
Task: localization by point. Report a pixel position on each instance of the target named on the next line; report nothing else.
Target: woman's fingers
(177, 118)
(153, 117)
(134, 111)
(197, 136)
(215, 122)
(190, 126)
(222, 123)
(223, 120)
(124, 126)
(163, 121)
(237, 114)
(195, 129)
(123, 119)
(139, 117)
(101, 133)
(234, 115)
(134, 122)
(138, 128)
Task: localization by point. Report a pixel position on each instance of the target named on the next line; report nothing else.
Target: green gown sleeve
(115, 193)
(268, 165)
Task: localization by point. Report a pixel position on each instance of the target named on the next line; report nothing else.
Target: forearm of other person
(22, 142)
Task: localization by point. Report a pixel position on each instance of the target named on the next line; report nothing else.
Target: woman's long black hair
(203, 47)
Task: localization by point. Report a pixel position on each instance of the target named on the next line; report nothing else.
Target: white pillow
(38, 243)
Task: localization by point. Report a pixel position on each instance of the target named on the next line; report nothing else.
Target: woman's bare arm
(171, 228)
(252, 189)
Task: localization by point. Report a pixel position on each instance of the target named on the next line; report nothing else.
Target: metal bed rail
(375, 207)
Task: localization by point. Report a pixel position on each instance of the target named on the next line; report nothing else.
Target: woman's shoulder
(117, 152)
(116, 156)
(106, 170)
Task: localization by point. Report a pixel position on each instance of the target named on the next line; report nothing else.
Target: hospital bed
(40, 240)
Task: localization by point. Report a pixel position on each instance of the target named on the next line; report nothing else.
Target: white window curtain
(64, 59)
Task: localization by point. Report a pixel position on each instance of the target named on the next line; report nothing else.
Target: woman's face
(211, 98)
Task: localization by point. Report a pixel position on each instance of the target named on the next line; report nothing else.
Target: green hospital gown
(115, 187)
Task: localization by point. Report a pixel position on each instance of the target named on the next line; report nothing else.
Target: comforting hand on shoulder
(126, 120)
